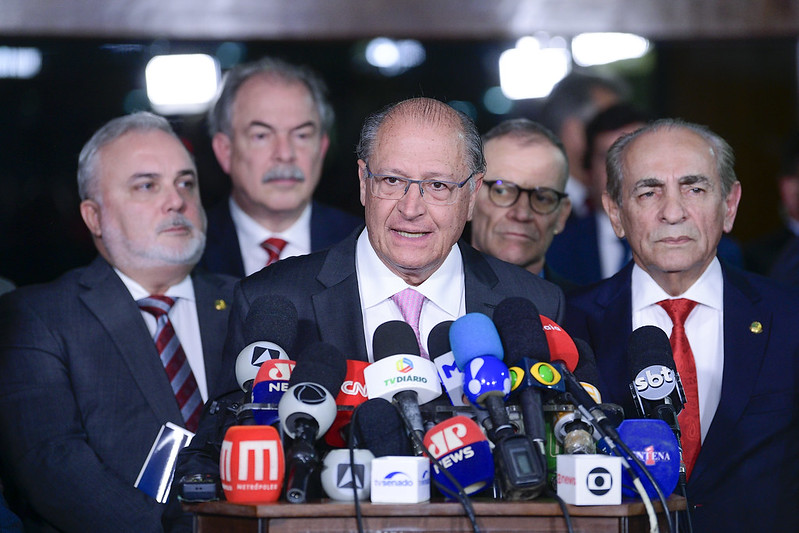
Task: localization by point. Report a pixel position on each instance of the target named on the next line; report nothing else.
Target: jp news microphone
(463, 450)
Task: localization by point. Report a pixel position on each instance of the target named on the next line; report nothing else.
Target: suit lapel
(743, 349)
(212, 325)
(479, 282)
(108, 299)
(339, 302)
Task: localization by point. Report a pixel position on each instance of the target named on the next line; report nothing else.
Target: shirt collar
(252, 234)
(707, 290)
(184, 289)
(439, 288)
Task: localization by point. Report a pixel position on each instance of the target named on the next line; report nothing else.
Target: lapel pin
(756, 327)
(220, 305)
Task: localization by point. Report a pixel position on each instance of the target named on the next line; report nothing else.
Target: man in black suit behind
(269, 129)
(83, 391)
(672, 192)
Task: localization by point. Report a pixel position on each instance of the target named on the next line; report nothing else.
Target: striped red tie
(690, 430)
(177, 368)
(273, 247)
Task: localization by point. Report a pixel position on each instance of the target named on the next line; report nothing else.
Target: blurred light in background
(181, 84)
(19, 62)
(590, 49)
(394, 57)
(532, 68)
(495, 101)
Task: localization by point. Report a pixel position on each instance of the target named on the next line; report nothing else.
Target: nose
(672, 210)
(412, 205)
(284, 148)
(175, 199)
(521, 210)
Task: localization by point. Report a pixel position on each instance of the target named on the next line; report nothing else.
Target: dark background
(745, 90)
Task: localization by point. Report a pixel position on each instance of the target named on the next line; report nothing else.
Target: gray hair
(721, 150)
(220, 116)
(142, 121)
(525, 132)
(430, 111)
(573, 96)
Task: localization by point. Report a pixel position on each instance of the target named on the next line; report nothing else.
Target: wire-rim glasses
(432, 191)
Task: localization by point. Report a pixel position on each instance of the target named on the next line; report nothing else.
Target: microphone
(339, 476)
(461, 448)
(251, 464)
(271, 382)
(478, 352)
(378, 427)
(401, 375)
(656, 387)
(271, 316)
(352, 394)
(307, 411)
(440, 351)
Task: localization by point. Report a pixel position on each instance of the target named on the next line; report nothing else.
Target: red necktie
(690, 430)
(410, 303)
(273, 247)
(177, 368)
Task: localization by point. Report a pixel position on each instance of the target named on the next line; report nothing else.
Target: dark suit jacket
(223, 254)
(746, 477)
(324, 289)
(83, 394)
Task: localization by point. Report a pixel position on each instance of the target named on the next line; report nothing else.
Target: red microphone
(561, 345)
(251, 464)
(351, 395)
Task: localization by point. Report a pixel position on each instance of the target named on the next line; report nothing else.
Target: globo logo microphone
(351, 395)
(461, 448)
(655, 382)
(251, 464)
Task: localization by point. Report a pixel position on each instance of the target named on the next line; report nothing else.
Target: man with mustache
(672, 192)
(521, 205)
(269, 129)
(93, 364)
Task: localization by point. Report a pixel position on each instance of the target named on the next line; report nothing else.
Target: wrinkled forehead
(670, 152)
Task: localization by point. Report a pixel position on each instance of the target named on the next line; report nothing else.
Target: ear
(614, 213)
(731, 206)
(90, 212)
(221, 144)
(362, 180)
(563, 215)
(478, 182)
(324, 144)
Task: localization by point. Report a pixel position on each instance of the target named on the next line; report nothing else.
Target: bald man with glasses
(521, 205)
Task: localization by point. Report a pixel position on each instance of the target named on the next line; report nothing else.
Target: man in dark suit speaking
(93, 364)
(672, 192)
(269, 129)
(420, 166)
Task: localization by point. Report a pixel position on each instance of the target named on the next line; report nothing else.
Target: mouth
(410, 234)
(675, 240)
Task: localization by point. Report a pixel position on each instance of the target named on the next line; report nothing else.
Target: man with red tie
(269, 131)
(93, 364)
(672, 191)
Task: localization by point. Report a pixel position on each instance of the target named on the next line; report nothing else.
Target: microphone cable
(461, 495)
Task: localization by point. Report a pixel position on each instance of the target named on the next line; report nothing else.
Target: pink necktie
(410, 304)
(273, 247)
(177, 368)
(690, 430)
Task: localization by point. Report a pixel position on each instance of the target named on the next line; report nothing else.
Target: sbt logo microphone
(655, 382)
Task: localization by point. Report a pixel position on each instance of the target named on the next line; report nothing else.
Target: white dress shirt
(704, 328)
(183, 316)
(612, 253)
(251, 234)
(444, 290)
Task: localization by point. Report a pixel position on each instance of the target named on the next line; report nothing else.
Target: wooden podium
(431, 517)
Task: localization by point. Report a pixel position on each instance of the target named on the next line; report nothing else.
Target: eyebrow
(425, 176)
(307, 124)
(156, 175)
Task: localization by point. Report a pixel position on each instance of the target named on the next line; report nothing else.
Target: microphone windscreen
(378, 427)
(519, 326)
(273, 318)
(320, 363)
(560, 344)
(586, 370)
(647, 346)
(392, 338)
(438, 340)
(474, 335)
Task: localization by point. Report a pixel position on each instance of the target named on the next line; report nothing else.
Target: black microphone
(307, 410)
(400, 374)
(269, 331)
(656, 387)
(378, 427)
